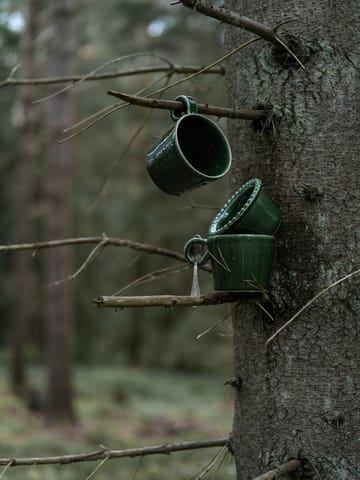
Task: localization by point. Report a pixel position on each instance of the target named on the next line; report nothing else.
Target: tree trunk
(23, 187)
(300, 395)
(58, 265)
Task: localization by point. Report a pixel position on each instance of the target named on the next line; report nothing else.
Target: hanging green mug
(240, 263)
(193, 153)
(248, 210)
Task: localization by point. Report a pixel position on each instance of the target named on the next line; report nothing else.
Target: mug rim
(215, 229)
(178, 148)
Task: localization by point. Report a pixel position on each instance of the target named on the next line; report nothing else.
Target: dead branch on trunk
(104, 453)
(175, 69)
(232, 18)
(117, 242)
(280, 471)
(215, 298)
(201, 108)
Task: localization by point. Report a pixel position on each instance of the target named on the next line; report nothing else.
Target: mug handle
(189, 106)
(202, 257)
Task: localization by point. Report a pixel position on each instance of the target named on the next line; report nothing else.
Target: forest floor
(122, 408)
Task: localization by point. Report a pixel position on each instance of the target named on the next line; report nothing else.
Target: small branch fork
(106, 454)
(254, 115)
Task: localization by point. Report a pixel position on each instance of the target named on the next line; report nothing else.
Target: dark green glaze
(239, 262)
(248, 210)
(194, 153)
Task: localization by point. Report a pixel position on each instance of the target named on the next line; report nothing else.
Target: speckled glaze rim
(255, 185)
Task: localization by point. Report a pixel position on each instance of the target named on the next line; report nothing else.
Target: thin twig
(7, 465)
(201, 108)
(215, 298)
(116, 242)
(124, 152)
(104, 453)
(150, 277)
(210, 465)
(175, 69)
(116, 162)
(215, 325)
(280, 471)
(101, 67)
(97, 468)
(205, 69)
(107, 112)
(347, 277)
(265, 311)
(91, 257)
(232, 18)
(117, 107)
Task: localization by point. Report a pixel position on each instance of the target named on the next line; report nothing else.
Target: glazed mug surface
(248, 210)
(240, 263)
(193, 153)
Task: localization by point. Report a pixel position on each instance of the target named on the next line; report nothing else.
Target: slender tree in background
(23, 199)
(300, 394)
(57, 262)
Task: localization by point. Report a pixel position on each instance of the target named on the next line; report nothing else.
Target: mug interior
(203, 145)
(234, 207)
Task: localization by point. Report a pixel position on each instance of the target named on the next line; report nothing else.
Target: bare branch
(101, 67)
(117, 242)
(232, 18)
(175, 69)
(280, 471)
(215, 298)
(107, 111)
(205, 69)
(347, 277)
(201, 108)
(111, 454)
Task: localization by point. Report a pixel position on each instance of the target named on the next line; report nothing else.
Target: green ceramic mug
(193, 153)
(248, 210)
(240, 263)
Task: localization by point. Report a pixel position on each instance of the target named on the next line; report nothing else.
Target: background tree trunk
(57, 262)
(23, 185)
(300, 396)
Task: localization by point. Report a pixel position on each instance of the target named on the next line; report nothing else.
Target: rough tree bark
(300, 395)
(57, 262)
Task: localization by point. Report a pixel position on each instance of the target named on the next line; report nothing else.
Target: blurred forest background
(132, 374)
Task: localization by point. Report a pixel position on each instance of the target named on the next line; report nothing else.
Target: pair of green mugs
(241, 241)
(240, 244)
